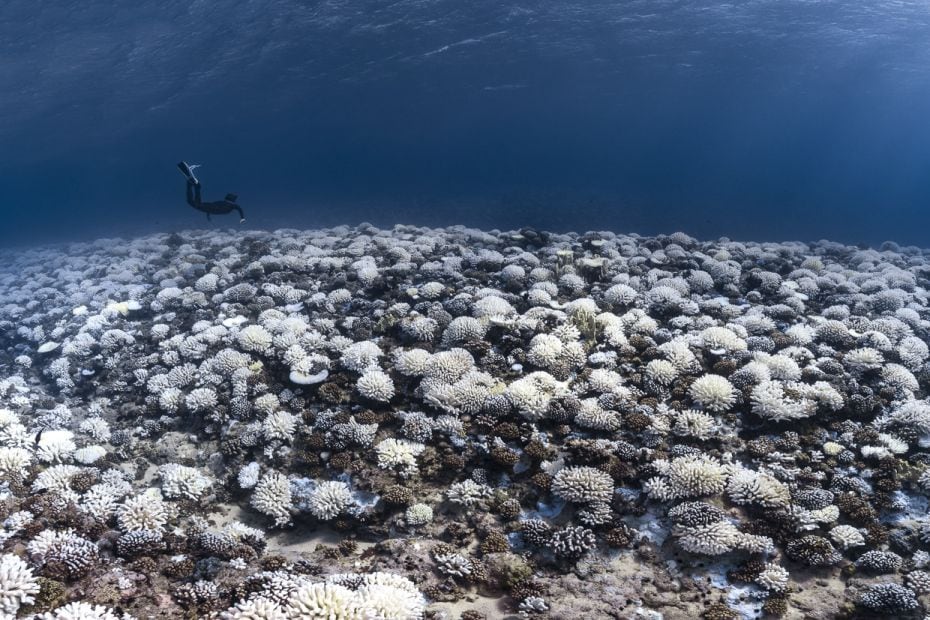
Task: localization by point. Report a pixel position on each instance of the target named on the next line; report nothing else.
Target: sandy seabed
(364, 423)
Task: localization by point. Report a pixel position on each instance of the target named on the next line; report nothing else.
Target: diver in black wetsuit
(219, 207)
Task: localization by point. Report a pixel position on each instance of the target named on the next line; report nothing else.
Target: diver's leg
(193, 194)
(192, 200)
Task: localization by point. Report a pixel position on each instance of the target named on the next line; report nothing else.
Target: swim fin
(188, 171)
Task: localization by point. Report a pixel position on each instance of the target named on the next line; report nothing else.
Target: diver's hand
(241, 220)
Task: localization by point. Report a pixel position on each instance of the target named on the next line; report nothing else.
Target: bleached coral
(722, 339)
(324, 600)
(713, 392)
(55, 478)
(464, 329)
(180, 481)
(97, 428)
(900, 378)
(661, 372)
(272, 496)
(467, 492)
(583, 485)
(492, 306)
(418, 514)
(248, 475)
(376, 385)
(360, 356)
(453, 564)
(411, 362)
(200, 400)
(545, 350)
(18, 584)
(89, 454)
(846, 536)
(329, 499)
(773, 578)
(254, 339)
(55, 445)
(912, 351)
(688, 476)
(691, 423)
(749, 487)
(532, 394)
(399, 454)
(256, 608)
(572, 541)
(771, 400)
(146, 511)
(604, 380)
(280, 425)
(14, 461)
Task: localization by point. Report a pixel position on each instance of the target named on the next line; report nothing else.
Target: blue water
(760, 119)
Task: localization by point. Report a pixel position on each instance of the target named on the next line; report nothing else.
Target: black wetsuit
(219, 207)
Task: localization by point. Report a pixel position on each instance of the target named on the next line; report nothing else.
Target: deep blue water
(761, 119)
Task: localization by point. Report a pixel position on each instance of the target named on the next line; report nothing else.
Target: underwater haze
(764, 119)
(536, 311)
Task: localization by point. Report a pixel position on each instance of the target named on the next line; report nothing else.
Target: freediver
(218, 207)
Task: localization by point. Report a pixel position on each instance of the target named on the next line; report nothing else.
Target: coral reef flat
(413, 423)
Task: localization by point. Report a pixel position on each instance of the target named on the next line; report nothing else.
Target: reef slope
(454, 423)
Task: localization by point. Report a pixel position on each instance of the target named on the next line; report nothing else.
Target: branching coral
(583, 485)
(272, 496)
(713, 392)
(18, 585)
(688, 476)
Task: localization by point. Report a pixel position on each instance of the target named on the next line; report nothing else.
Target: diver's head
(231, 197)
